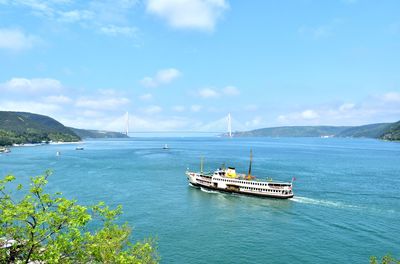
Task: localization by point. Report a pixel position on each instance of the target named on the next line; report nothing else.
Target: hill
(293, 131)
(387, 131)
(84, 133)
(22, 127)
(367, 131)
(392, 132)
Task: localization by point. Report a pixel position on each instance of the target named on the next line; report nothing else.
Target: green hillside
(84, 133)
(367, 131)
(293, 131)
(387, 131)
(22, 127)
(392, 132)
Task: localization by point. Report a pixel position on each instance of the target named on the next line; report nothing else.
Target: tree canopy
(387, 259)
(39, 227)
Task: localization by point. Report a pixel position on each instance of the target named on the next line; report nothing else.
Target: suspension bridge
(205, 130)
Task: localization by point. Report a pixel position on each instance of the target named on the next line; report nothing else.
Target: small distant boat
(58, 153)
(165, 146)
(79, 148)
(4, 150)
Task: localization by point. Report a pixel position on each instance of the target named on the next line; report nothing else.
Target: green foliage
(366, 131)
(293, 131)
(387, 131)
(392, 132)
(387, 259)
(85, 133)
(49, 228)
(20, 127)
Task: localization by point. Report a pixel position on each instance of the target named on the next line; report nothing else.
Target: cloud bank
(188, 14)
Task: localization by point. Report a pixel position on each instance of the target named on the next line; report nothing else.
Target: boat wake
(340, 205)
(326, 203)
(207, 191)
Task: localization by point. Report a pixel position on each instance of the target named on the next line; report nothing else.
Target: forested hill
(386, 131)
(367, 131)
(85, 133)
(293, 131)
(22, 127)
(392, 132)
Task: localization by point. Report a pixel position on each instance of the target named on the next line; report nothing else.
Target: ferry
(228, 180)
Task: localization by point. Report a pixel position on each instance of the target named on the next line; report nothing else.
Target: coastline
(41, 144)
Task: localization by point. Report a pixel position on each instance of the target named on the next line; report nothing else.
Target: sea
(346, 206)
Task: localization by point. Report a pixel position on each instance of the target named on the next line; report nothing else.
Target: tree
(47, 228)
(387, 259)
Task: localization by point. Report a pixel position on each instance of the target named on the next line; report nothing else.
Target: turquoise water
(346, 205)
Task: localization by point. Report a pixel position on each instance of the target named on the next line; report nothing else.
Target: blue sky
(185, 64)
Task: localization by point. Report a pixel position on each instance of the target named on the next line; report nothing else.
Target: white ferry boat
(228, 180)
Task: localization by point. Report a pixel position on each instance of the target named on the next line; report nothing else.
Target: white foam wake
(321, 202)
(340, 205)
(207, 191)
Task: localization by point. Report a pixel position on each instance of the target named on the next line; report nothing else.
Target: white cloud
(231, 91)
(102, 104)
(75, 16)
(146, 97)
(178, 108)
(152, 124)
(40, 8)
(195, 108)
(251, 107)
(282, 119)
(167, 75)
(107, 92)
(58, 99)
(191, 14)
(208, 93)
(255, 122)
(36, 85)
(31, 106)
(374, 109)
(164, 76)
(346, 107)
(16, 40)
(110, 17)
(391, 97)
(112, 30)
(320, 31)
(299, 118)
(152, 109)
(309, 114)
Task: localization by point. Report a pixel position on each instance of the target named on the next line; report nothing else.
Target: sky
(183, 65)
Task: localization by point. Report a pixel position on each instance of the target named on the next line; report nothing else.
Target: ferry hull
(211, 188)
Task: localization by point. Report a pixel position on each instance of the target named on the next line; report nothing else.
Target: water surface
(346, 205)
